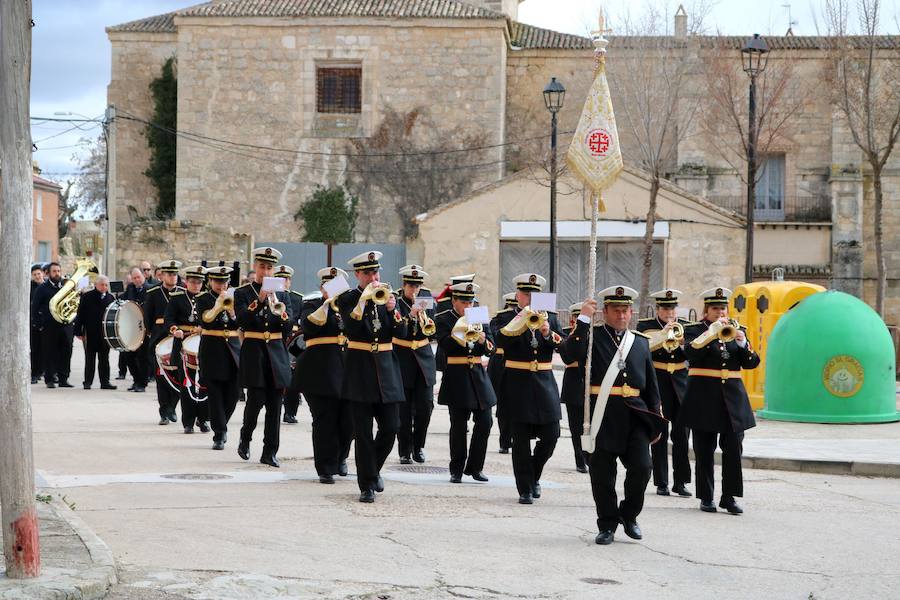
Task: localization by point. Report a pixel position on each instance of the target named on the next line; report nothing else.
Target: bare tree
(89, 191)
(649, 78)
(865, 88)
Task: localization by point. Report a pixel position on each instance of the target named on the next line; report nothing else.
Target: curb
(94, 583)
(829, 467)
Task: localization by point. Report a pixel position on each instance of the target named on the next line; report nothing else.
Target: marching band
(362, 358)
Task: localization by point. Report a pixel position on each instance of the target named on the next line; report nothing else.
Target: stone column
(846, 186)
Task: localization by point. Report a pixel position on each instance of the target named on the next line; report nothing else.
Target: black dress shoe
(138, 389)
(173, 417)
(367, 496)
(479, 476)
(581, 468)
(604, 538)
(379, 484)
(65, 384)
(405, 460)
(189, 430)
(120, 377)
(326, 478)
(526, 499)
(504, 450)
(682, 491)
(107, 386)
(244, 451)
(536, 489)
(707, 506)
(35, 380)
(342, 469)
(51, 385)
(272, 460)
(87, 387)
(289, 418)
(419, 455)
(455, 478)
(632, 529)
(662, 490)
(163, 421)
(728, 503)
(204, 427)
(218, 445)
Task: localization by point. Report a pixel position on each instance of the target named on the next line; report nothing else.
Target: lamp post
(754, 56)
(554, 96)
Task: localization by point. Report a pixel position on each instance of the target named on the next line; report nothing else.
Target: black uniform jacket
(672, 383)
(296, 302)
(219, 356)
(495, 364)
(89, 319)
(181, 313)
(621, 413)
(530, 396)
(259, 357)
(371, 377)
(420, 360)
(463, 385)
(320, 368)
(40, 305)
(156, 301)
(573, 377)
(711, 403)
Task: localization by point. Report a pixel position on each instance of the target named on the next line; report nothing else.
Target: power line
(54, 119)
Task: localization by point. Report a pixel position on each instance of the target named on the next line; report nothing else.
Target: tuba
(64, 303)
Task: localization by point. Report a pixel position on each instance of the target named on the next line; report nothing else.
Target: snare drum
(190, 348)
(164, 353)
(123, 326)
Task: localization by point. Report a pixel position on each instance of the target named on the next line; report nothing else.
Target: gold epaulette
(243, 286)
(296, 293)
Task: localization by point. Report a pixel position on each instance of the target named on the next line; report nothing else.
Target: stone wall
(256, 84)
(188, 242)
(137, 59)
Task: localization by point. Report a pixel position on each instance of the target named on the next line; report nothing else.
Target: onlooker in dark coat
(37, 369)
(56, 338)
(89, 329)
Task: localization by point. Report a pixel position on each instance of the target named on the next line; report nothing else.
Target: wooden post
(20, 525)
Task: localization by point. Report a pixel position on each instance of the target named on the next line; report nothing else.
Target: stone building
(272, 97)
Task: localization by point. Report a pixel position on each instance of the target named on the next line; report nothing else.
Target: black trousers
(681, 464)
(166, 396)
(575, 414)
(258, 398)
(56, 349)
(193, 411)
(332, 432)
(373, 449)
(37, 358)
(139, 365)
(636, 461)
(100, 357)
(503, 425)
(123, 363)
(222, 397)
(291, 402)
(415, 415)
(528, 467)
(459, 425)
(732, 445)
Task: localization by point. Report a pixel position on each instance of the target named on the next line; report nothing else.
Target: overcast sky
(71, 62)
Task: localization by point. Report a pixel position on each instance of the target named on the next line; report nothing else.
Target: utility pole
(21, 546)
(111, 200)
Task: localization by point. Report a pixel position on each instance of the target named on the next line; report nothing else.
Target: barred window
(338, 90)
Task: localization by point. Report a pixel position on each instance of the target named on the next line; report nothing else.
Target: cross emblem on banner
(598, 142)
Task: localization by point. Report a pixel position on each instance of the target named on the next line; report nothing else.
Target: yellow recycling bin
(743, 308)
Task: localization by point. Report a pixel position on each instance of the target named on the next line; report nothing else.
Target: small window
(43, 252)
(339, 90)
(39, 207)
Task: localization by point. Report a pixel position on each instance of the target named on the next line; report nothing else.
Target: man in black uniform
(671, 374)
(441, 304)
(529, 388)
(716, 406)
(181, 320)
(138, 361)
(89, 329)
(417, 367)
(292, 399)
(265, 319)
(625, 403)
(495, 366)
(56, 337)
(465, 387)
(320, 375)
(373, 383)
(572, 393)
(220, 350)
(156, 301)
(37, 369)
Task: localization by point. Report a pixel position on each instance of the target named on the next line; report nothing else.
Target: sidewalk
(75, 563)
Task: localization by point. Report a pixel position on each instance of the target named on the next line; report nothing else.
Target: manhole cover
(196, 476)
(420, 469)
(601, 581)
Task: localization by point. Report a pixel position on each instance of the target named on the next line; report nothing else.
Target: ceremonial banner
(594, 154)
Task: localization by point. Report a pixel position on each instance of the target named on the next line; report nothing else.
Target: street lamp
(554, 96)
(754, 56)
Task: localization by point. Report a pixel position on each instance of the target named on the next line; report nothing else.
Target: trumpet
(276, 307)
(465, 333)
(669, 339)
(724, 332)
(426, 324)
(223, 303)
(526, 319)
(378, 293)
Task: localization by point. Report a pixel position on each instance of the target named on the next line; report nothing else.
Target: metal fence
(789, 209)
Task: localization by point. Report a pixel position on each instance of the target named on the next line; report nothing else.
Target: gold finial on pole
(598, 39)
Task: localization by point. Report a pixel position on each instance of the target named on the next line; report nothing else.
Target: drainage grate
(601, 581)
(425, 470)
(196, 476)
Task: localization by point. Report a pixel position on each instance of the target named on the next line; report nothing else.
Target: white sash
(612, 371)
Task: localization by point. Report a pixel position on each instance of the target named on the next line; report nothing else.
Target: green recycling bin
(830, 360)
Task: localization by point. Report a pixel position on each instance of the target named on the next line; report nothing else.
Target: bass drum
(123, 326)
(190, 348)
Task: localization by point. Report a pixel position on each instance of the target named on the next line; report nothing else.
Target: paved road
(224, 528)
